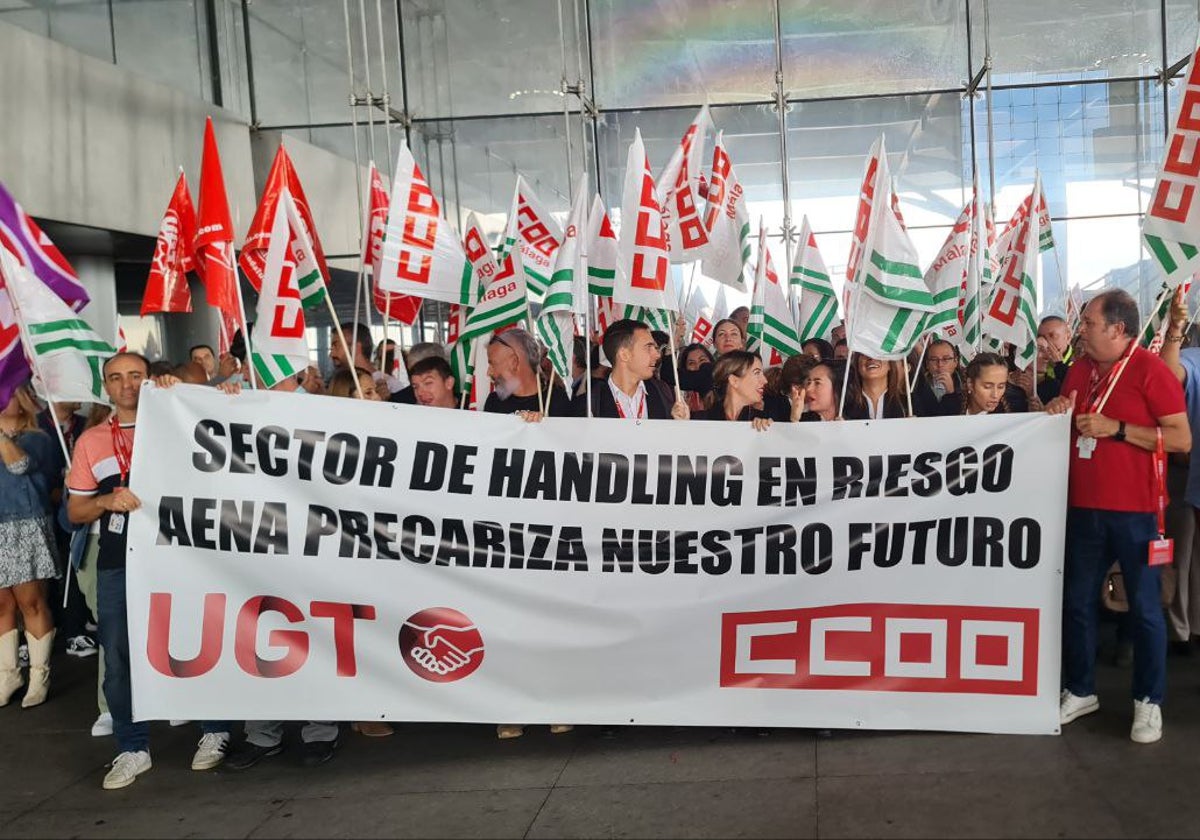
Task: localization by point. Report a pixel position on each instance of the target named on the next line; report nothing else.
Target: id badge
(116, 523)
(1086, 446)
(1162, 552)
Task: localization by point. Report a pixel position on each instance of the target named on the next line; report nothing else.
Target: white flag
(556, 322)
(534, 231)
(1012, 313)
(644, 276)
(679, 193)
(602, 252)
(727, 220)
(771, 324)
(810, 280)
(890, 301)
(946, 277)
(67, 354)
(421, 253)
(279, 347)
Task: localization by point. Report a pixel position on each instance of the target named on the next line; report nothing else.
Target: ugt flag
(174, 256)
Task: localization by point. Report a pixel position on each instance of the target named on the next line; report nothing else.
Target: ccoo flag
(403, 308)
(278, 345)
(947, 275)
(727, 221)
(770, 315)
(678, 193)
(644, 275)
(421, 254)
(1012, 314)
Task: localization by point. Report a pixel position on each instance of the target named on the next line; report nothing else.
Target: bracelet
(1173, 338)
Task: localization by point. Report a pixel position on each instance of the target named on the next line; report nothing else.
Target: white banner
(385, 561)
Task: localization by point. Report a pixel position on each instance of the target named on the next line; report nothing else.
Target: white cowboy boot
(39, 669)
(10, 674)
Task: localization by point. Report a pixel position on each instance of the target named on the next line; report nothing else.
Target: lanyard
(121, 449)
(641, 406)
(1160, 477)
(1097, 402)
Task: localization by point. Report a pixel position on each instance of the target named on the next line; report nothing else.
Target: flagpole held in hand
(916, 374)
(907, 387)
(674, 356)
(845, 382)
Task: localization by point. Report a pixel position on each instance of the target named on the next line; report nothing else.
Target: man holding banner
(1129, 411)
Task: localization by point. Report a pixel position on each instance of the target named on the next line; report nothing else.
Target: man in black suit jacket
(631, 391)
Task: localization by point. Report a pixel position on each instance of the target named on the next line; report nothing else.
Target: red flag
(400, 307)
(174, 256)
(214, 235)
(258, 238)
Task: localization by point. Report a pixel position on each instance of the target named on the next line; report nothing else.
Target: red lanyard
(640, 408)
(121, 449)
(1160, 476)
(1096, 400)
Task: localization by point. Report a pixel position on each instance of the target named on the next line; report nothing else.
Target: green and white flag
(1045, 234)
(655, 319)
(1158, 314)
(890, 301)
(534, 231)
(503, 300)
(978, 278)
(555, 325)
(771, 324)
(1012, 314)
(946, 277)
(810, 282)
(278, 347)
(1171, 228)
(602, 252)
(66, 353)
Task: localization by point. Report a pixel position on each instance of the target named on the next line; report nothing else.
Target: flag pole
(237, 284)
(845, 382)
(674, 356)
(920, 361)
(907, 387)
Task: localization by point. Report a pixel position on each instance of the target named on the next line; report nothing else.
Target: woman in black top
(877, 390)
(738, 383)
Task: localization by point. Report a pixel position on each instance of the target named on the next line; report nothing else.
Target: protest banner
(299, 557)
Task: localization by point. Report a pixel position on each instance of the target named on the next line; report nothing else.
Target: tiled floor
(459, 781)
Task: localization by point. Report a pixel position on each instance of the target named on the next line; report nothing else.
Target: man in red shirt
(1125, 401)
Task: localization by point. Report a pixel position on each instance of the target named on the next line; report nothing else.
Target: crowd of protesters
(62, 525)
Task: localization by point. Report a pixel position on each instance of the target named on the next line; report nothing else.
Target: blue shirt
(1189, 357)
(27, 495)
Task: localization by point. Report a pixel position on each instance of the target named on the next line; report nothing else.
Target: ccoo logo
(441, 644)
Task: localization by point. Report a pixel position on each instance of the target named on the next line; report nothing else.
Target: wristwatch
(1120, 433)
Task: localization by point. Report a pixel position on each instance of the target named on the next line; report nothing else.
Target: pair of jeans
(1095, 540)
(113, 629)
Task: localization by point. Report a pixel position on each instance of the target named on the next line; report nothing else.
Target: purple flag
(14, 370)
(34, 250)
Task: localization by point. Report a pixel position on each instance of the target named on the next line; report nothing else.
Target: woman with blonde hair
(738, 385)
(341, 384)
(27, 547)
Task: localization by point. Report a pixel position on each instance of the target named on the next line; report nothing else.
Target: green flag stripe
(464, 283)
(897, 294)
(817, 288)
(900, 269)
(600, 290)
(501, 316)
(602, 273)
(57, 326)
(802, 271)
(264, 372)
(892, 341)
(81, 345)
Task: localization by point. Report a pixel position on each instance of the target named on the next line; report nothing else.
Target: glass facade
(484, 90)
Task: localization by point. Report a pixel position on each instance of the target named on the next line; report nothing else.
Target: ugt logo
(441, 645)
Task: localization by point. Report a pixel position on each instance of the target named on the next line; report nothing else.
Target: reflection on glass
(855, 47)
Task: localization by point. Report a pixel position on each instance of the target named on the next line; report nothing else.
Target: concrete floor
(459, 781)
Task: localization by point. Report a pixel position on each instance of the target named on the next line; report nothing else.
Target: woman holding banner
(738, 385)
(27, 547)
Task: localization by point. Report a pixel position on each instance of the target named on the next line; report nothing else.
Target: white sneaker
(125, 768)
(1071, 707)
(81, 646)
(211, 750)
(103, 726)
(1147, 722)
(178, 722)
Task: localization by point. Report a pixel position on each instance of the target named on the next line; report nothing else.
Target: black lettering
(685, 547)
(925, 465)
(385, 536)
(726, 481)
(356, 534)
(768, 482)
(1024, 543)
(719, 560)
(576, 477)
(453, 547)
(612, 478)
(801, 477)
(235, 527)
(570, 555)
(506, 474)
(172, 524)
(240, 447)
(952, 542)
(780, 550)
(816, 548)
(997, 468)
(411, 530)
(270, 442)
(962, 471)
(541, 543)
(341, 458)
(847, 477)
(859, 544)
(272, 529)
(487, 548)
(897, 469)
(652, 546)
(206, 434)
(541, 481)
(691, 480)
(616, 552)
(203, 522)
(309, 439)
(322, 522)
(379, 462)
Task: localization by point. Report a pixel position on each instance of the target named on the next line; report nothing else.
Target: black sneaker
(245, 755)
(314, 753)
